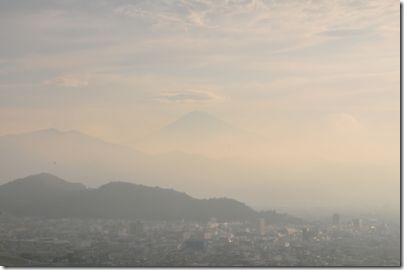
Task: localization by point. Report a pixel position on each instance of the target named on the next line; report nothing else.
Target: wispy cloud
(69, 81)
(189, 96)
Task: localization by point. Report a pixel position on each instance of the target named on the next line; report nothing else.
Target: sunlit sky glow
(317, 81)
(120, 70)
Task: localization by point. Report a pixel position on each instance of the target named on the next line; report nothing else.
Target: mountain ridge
(115, 200)
(46, 180)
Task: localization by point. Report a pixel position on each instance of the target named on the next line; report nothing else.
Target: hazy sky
(314, 84)
(323, 72)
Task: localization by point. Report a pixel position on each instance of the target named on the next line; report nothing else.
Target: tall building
(306, 234)
(136, 228)
(262, 226)
(335, 219)
(357, 224)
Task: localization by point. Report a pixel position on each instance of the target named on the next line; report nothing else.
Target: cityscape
(97, 242)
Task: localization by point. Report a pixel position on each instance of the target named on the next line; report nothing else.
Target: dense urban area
(99, 242)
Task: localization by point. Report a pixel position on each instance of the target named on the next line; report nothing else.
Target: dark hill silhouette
(35, 194)
(44, 181)
(50, 196)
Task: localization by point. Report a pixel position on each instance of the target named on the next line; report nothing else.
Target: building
(335, 219)
(306, 234)
(262, 226)
(195, 244)
(136, 228)
(357, 224)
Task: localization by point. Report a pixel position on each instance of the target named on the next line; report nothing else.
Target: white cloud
(69, 81)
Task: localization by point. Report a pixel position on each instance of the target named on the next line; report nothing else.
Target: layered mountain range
(93, 162)
(182, 161)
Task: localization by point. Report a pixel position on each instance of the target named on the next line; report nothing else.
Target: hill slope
(49, 196)
(46, 195)
(35, 194)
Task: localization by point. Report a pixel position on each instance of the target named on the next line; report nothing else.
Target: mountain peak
(49, 130)
(46, 180)
(118, 185)
(43, 177)
(198, 122)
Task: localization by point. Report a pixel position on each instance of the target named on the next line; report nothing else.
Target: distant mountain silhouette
(93, 162)
(68, 153)
(50, 196)
(196, 132)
